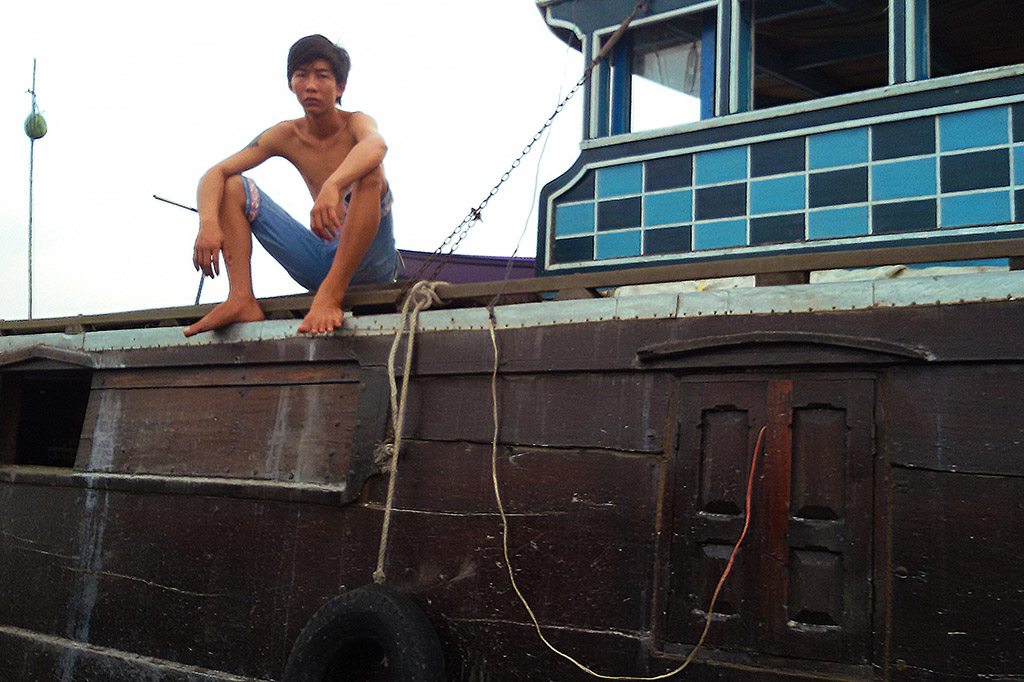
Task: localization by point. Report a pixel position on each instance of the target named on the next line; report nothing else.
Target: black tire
(368, 634)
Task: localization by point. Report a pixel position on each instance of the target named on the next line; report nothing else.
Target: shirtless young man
(348, 241)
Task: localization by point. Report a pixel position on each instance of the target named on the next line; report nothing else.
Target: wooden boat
(176, 509)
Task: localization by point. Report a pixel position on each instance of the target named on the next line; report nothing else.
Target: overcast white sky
(141, 98)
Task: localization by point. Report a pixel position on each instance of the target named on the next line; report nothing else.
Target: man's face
(315, 87)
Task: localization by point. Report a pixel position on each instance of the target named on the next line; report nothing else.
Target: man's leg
(357, 234)
(240, 305)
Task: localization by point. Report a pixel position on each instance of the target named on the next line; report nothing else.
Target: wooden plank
(387, 297)
(957, 595)
(270, 432)
(566, 410)
(956, 418)
(244, 375)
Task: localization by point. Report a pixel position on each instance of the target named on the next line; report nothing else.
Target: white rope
(420, 297)
(508, 561)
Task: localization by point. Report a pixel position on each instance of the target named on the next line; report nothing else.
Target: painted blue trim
(744, 67)
(725, 76)
(708, 46)
(622, 79)
(922, 47)
(898, 41)
(604, 86)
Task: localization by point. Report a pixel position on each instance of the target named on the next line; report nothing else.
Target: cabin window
(970, 36)
(41, 416)
(807, 50)
(658, 75)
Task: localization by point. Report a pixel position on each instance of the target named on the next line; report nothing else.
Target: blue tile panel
(942, 171)
(838, 148)
(617, 245)
(836, 223)
(574, 219)
(976, 128)
(617, 181)
(668, 208)
(904, 179)
(720, 234)
(721, 165)
(986, 208)
(776, 195)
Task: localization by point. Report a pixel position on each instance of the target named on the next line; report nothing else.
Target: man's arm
(210, 240)
(367, 154)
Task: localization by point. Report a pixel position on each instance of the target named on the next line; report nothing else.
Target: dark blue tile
(903, 138)
(1018, 123)
(581, 191)
(667, 240)
(976, 170)
(777, 228)
(777, 157)
(1018, 206)
(618, 214)
(905, 216)
(724, 201)
(834, 188)
(670, 172)
(573, 250)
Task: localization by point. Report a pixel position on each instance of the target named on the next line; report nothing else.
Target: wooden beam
(366, 299)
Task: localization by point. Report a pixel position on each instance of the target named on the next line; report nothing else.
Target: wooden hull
(223, 491)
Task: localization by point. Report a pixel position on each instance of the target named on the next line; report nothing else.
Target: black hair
(311, 48)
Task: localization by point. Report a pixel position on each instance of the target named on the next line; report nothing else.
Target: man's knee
(234, 191)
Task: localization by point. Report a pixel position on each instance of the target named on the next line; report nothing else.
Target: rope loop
(421, 296)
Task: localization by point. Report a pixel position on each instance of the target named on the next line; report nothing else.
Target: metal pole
(31, 172)
(199, 292)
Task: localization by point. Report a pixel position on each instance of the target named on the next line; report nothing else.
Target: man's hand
(209, 244)
(323, 219)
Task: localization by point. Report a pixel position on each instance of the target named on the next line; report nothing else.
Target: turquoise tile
(667, 208)
(978, 128)
(617, 245)
(574, 219)
(976, 209)
(837, 222)
(1018, 165)
(838, 148)
(618, 181)
(778, 195)
(720, 234)
(721, 165)
(903, 179)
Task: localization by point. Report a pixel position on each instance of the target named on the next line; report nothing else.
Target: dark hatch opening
(41, 416)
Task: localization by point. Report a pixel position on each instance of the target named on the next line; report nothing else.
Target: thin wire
(453, 240)
(508, 560)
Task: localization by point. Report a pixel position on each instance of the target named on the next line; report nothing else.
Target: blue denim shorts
(306, 257)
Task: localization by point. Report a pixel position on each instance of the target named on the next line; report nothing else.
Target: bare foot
(323, 316)
(246, 310)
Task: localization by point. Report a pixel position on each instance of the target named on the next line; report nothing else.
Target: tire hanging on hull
(370, 633)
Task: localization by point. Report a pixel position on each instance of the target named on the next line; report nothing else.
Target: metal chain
(453, 240)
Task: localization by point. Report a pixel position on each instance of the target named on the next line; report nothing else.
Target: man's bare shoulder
(276, 137)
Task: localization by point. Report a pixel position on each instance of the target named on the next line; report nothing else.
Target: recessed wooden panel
(723, 461)
(815, 588)
(288, 423)
(819, 462)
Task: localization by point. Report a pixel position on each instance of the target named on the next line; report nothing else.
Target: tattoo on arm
(255, 141)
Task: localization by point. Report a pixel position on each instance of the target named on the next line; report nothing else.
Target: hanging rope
(452, 241)
(420, 297)
(508, 560)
